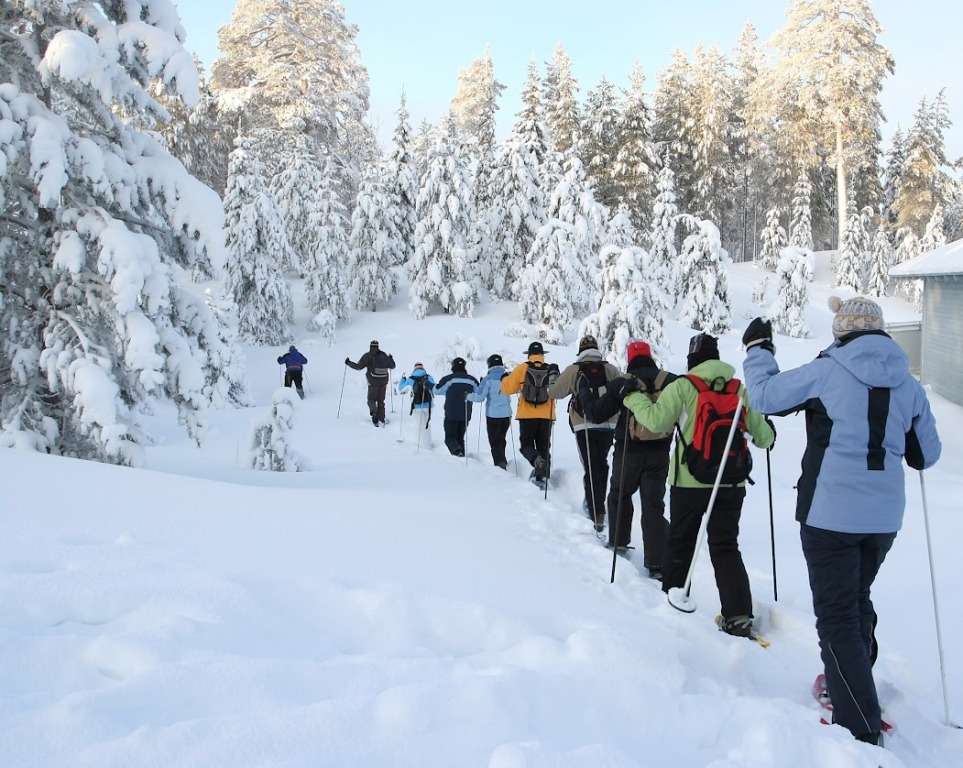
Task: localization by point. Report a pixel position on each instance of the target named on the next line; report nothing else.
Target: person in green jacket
(689, 499)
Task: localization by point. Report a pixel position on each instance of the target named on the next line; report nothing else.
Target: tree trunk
(841, 204)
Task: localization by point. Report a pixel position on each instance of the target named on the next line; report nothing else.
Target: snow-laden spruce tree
(296, 190)
(881, 259)
(99, 229)
(801, 218)
(636, 162)
(662, 252)
(773, 240)
(852, 258)
(795, 275)
(375, 247)
(442, 270)
(328, 268)
(269, 448)
(401, 188)
(257, 246)
(630, 303)
(560, 97)
(518, 207)
(703, 266)
(600, 143)
(227, 382)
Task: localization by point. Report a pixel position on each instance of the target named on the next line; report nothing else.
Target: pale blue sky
(419, 45)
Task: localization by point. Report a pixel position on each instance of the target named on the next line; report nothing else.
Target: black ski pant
(455, 436)
(293, 377)
(593, 449)
(686, 508)
(842, 568)
(377, 389)
(497, 432)
(642, 467)
(534, 440)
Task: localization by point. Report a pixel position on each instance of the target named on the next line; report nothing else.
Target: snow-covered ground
(401, 607)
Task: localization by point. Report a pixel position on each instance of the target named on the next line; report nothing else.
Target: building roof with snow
(945, 261)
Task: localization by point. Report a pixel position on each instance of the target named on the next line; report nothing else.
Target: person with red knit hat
(641, 458)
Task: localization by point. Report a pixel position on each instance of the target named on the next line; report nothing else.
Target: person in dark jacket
(592, 438)
(293, 362)
(455, 388)
(376, 364)
(865, 415)
(640, 461)
(498, 409)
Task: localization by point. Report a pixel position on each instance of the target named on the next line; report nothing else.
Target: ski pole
(466, 432)
(551, 434)
(341, 396)
(678, 597)
(772, 526)
(401, 418)
(618, 507)
(511, 434)
(307, 382)
(391, 390)
(936, 607)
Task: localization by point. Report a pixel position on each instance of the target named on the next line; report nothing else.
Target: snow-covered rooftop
(945, 260)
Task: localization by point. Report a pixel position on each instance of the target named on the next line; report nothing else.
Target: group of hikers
(864, 412)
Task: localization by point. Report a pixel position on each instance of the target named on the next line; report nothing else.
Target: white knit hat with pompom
(856, 314)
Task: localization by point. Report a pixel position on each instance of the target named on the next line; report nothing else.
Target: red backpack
(714, 412)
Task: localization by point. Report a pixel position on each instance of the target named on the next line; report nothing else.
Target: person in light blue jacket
(865, 415)
(498, 408)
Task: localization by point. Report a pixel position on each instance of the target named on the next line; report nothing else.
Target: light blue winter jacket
(865, 413)
(497, 405)
(408, 381)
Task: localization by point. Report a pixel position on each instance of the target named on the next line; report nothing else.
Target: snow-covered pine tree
(443, 267)
(674, 123)
(328, 269)
(518, 208)
(630, 304)
(801, 220)
(375, 248)
(893, 177)
(475, 102)
(636, 162)
(600, 146)
(933, 236)
(560, 97)
(881, 260)
(99, 227)
(226, 380)
(401, 187)
(908, 247)
(663, 252)
(256, 247)
(703, 265)
(852, 259)
(296, 190)
(270, 443)
(773, 240)
(795, 275)
(924, 177)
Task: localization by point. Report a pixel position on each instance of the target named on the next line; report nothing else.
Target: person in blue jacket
(498, 408)
(293, 362)
(422, 385)
(865, 415)
(455, 387)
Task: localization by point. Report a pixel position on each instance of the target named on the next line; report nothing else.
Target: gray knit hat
(856, 314)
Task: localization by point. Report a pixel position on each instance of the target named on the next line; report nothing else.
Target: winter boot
(740, 626)
(301, 393)
(541, 467)
(655, 572)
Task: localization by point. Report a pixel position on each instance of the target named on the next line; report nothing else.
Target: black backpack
(714, 413)
(593, 372)
(379, 365)
(535, 387)
(651, 388)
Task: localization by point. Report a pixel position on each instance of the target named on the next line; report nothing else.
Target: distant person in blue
(498, 408)
(293, 362)
(422, 387)
(865, 416)
(455, 388)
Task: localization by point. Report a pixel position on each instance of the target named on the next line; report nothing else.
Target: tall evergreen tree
(636, 162)
(801, 222)
(831, 71)
(401, 187)
(329, 262)
(475, 103)
(98, 228)
(560, 97)
(795, 275)
(773, 240)
(443, 267)
(893, 177)
(674, 105)
(256, 247)
(881, 260)
(703, 265)
(374, 247)
(600, 147)
(663, 235)
(852, 260)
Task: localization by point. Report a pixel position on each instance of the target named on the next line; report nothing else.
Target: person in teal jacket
(689, 499)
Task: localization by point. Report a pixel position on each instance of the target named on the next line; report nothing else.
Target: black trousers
(593, 449)
(293, 377)
(455, 436)
(534, 440)
(376, 398)
(643, 468)
(497, 432)
(686, 508)
(842, 568)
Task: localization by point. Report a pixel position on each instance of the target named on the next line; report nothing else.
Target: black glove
(759, 334)
(552, 373)
(504, 374)
(622, 386)
(347, 361)
(773, 428)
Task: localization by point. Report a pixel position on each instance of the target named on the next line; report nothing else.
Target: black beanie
(458, 364)
(494, 360)
(702, 347)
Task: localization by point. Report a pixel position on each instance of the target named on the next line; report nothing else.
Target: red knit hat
(637, 348)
